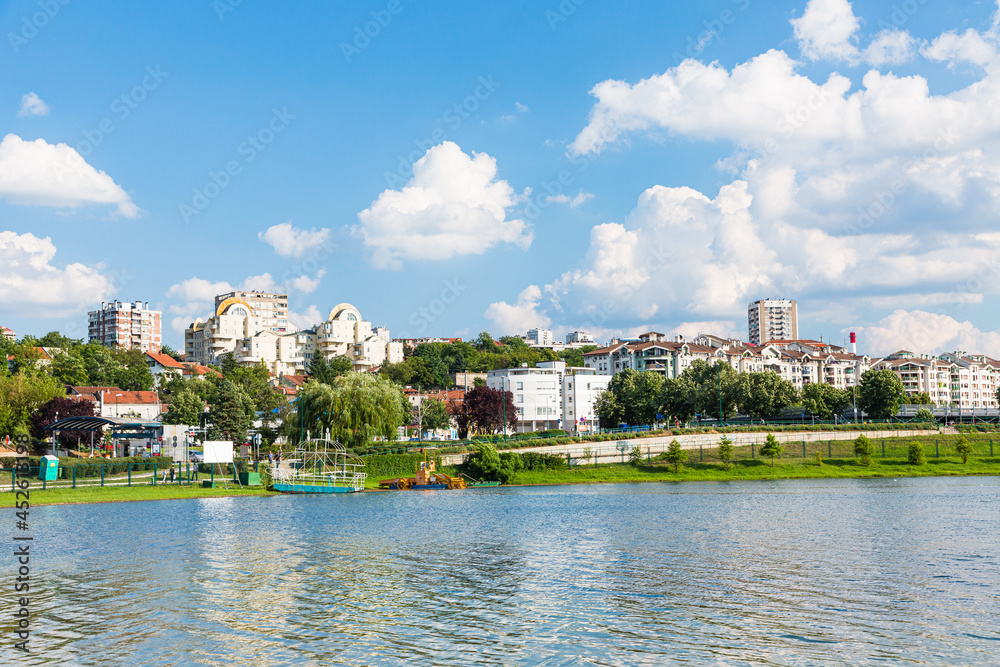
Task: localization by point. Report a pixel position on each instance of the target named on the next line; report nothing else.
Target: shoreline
(612, 474)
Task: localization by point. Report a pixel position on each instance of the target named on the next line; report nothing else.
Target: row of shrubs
(92, 467)
(488, 465)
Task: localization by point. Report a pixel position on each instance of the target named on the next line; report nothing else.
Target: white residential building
(580, 388)
(538, 337)
(253, 337)
(537, 394)
(956, 379)
(772, 319)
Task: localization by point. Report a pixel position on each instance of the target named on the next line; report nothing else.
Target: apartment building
(580, 389)
(956, 379)
(255, 336)
(130, 326)
(537, 394)
(271, 309)
(772, 319)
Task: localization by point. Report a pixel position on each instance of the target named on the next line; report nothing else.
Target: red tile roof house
(163, 363)
(144, 405)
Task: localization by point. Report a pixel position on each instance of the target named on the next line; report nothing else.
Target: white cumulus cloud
(42, 174)
(31, 284)
(517, 318)
(290, 241)
(952, 48)
(33, 105)
(891, 47)
(827, 30)
(453, 205)
(924, 332)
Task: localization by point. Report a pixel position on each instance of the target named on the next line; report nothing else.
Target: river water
(828, 572)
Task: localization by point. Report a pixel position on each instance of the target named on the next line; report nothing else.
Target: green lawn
(757, 469)
(111, 494)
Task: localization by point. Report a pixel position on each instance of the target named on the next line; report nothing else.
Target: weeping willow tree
(354, 408)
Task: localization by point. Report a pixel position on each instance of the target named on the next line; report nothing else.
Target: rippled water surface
(840, 572)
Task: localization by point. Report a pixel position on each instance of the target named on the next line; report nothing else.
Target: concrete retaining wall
(611, 451)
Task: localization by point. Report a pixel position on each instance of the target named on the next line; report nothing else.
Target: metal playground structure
(320, 466)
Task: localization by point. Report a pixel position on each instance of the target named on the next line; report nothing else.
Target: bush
(676, 454)
(864, 449)
(635, 455)
(726, 452)
(963, 448)
(916, 455)
(771, 448)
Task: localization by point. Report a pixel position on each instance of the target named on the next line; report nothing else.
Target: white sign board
(218, 451)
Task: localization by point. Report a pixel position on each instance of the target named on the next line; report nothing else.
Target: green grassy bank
(756, 469)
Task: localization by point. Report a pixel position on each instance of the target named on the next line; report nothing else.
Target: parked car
(195, 457)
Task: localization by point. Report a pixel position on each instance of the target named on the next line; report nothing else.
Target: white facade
(772, 319)
(539, 337)
(141, 405)
(580, 388)
(252, 337)
(537, 394)
(954, 379)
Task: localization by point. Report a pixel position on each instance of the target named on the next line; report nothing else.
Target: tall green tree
(824, 401)
(679, 399)
(676, 455)
(231, 414)
(69, 369)
(435, 415)
(765, 394)
(636, 395)
(20, 395)
(713, 382)
(880, 393)
(186, 407)
(355, 408)
(864, 449)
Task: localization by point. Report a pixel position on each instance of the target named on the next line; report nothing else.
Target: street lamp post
(503, 402)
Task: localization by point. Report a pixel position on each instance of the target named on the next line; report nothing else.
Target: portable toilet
(49, 470)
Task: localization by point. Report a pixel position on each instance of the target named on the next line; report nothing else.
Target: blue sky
(166, 153)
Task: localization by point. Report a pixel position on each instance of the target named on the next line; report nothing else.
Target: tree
(186, 407)
(880, 393)
(232, 413)
(20, 395)
(170, 352)
(924, 415)
(609, 413)
(487, 408)
(637, 397)
(435, 415)
(916, 454)
(484, 342)
(678, 398)
(864, 449)
(60, 408)
(771, 448)
(355, 408)
(824, 401)
(69, 369)
(56, 339)
(963, 448)
(325, 371)
(765, 394)
(920, 398)
(676, 455)
(712, 382)
(131, 371)
(726, 452)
